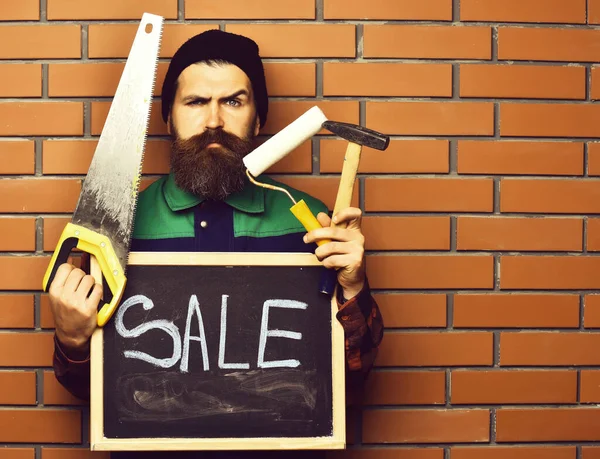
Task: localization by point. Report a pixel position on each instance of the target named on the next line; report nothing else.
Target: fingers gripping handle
(306, 217)
(99, 246)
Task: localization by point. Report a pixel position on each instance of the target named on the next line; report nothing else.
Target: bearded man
(214, 101)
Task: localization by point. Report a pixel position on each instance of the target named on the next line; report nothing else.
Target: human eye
(233, 102)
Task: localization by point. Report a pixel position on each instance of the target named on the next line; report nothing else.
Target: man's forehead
(214, 77)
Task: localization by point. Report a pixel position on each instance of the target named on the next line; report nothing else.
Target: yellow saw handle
(95, 244)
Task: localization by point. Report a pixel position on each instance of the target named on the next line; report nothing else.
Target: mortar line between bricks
(578, 452)
(180, 10)
(586, 159)
(456, 11)
(43, 11)
(319, 79)
(319, 11)
(84, 43)
(588, 82)
(448, 388)
(578, 387)
(581, 312)
(584, 235)
(38, 451)
(37, 146)
(45, 81)
(315, 156)
(359, 42)
(39, 377)
(494, 57)
(455, 81)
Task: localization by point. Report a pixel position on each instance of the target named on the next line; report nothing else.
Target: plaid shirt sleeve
(363, 329)
(74, 375)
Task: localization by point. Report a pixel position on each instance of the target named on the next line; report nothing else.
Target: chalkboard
(219, 351)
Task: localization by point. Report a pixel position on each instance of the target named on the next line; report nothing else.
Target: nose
(214, 117)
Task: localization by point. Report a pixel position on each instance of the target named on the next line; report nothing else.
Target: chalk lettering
(164, 325)
(194, 308)
(223, 337)
(266, 333)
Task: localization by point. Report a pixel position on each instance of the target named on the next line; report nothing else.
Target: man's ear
(257, 126)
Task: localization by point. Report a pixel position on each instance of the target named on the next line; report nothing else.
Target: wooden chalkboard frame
(98, 441)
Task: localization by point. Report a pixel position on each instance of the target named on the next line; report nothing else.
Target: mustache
(227, 141)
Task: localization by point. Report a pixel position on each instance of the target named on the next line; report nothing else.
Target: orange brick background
(480, 218)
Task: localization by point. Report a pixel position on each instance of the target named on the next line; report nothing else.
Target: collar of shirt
(250, 200)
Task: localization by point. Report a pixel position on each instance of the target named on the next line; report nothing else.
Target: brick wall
(480, 217)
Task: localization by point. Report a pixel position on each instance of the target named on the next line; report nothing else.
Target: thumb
(324, 219)
(94, 299)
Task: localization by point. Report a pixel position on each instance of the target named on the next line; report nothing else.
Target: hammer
(357, 137)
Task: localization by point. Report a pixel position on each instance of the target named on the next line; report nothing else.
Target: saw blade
(109, 192)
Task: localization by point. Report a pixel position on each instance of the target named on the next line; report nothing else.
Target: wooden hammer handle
(346, 188)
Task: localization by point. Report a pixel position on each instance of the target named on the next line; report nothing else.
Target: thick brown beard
(213, 173)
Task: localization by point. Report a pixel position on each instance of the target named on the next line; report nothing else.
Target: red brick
(17, 453)
(19, 11)
(436, 349)
(53, 228)
(547, 44)
(549, 272)
(520, 157)
(412, 310)
(428, 194)
(549, 348)
(156, 125)
(430, 271)
(20, 80)
(40, 41)
(110, 9)
(17, 157)
(549, 120)
(593, 234)
(40, 425)
(402, 156)
(520, 234)
(56, 394)
(73, 453)
(514, 452)
(46, 318)
(38, 195)
(16, 311)
(115, 40)
(241, 9)
(562, 11)
(25, 350)
(300, 40)
(590, 452)
(547, 424)
(435, 10)
(592, 311)
(550, 196)
(595, 86)
(75, 156)
(282, 113)
(426, 426)
(18, 388)
(41, 118)
(418, 233)
(323, 188)
(522, 81)
(374, 79)
(298, 161)
(386, 453)
(291, 79)
(92, 79)
(590, 386)
(513, 386)
(516, 311)
(431, 118)
(427, 42)
(594, 158)
(405, 388)
(18, 234)
(22, 273)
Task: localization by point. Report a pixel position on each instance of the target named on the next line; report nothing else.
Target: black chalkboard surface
(219, 351)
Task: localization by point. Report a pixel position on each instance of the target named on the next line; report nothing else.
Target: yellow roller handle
(95, 244)
(306, 217)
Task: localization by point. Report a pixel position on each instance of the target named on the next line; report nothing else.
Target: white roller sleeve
(274, 149)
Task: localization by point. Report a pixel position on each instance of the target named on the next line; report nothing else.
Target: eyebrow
(241, 92)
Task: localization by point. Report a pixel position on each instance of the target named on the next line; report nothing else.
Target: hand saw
(103, 219)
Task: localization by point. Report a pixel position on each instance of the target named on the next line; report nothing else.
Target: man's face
(213, 122)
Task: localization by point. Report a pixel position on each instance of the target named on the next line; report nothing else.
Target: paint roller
(276, 148)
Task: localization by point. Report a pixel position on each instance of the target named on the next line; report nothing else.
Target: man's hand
(346, 251)
(74, 308)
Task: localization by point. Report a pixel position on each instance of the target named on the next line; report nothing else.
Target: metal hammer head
(358, 134)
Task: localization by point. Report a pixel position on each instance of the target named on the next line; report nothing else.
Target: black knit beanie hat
(217, 45)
